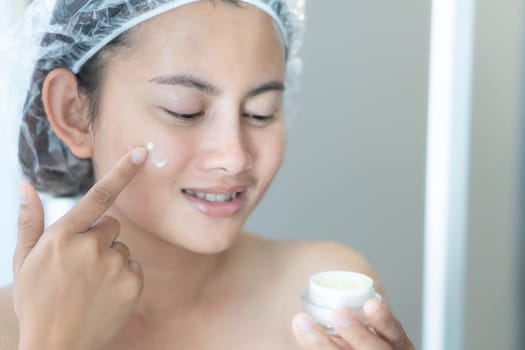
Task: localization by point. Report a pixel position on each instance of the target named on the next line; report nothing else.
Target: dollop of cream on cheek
(158, 158)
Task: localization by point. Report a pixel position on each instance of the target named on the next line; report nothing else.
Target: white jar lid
(333, 289)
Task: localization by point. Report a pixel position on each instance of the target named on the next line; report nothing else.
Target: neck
(175, 280)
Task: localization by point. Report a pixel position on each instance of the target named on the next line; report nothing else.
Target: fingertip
(385, 324)
(24, 193)
(303, 323)
(374, 309)
(307, 333)
(342, 318)
(138, 155)
(372, 305)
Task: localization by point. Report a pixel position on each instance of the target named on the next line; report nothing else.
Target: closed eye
(259, 117)
(182, 115)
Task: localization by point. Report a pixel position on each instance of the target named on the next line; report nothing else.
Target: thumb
(30, 224)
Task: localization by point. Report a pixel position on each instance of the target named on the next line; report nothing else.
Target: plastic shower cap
(67, 34)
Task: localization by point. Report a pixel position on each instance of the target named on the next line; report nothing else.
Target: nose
(226, 147)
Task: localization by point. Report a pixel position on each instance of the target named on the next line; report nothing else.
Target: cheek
(169, 152)
(164, 151)
(167, 158)
(156, 180)
(270, 153)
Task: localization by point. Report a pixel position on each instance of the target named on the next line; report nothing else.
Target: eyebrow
(210, 89)
(271, 86)
(188, 81)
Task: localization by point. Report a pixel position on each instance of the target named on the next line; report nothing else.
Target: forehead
(210, 37)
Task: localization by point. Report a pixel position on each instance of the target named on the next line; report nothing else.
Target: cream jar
(330, 290)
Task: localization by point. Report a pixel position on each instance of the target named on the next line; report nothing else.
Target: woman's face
(203, 84)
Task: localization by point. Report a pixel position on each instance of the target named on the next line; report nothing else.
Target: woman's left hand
(386, 334)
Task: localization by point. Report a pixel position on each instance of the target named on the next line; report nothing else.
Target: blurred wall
(355, 166)
(494, 301)
(8, 173)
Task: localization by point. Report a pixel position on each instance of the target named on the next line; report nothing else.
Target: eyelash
(260, 118)
(182, 116)
(256, 117)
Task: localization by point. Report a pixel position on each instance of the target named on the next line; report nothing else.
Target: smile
(212, 197)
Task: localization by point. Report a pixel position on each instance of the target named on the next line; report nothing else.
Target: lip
(219, 190)
(218, 209)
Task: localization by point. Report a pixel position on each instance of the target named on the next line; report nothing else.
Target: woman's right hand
(74, 286)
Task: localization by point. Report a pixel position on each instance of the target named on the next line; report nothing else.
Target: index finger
(355, 333)
(386, 325)
(104, 193)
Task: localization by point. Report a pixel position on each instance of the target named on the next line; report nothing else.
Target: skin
(176, 276)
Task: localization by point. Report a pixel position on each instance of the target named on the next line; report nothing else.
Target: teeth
(211, 197)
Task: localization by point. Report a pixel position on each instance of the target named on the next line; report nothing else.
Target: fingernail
(23, 194)
(304, 324)
(342, 319)
(138, 155)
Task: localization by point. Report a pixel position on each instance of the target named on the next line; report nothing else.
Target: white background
(8, 173)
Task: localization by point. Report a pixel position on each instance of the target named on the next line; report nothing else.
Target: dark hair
(45, 160)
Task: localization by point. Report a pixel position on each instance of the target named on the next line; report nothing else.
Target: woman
(171, 112)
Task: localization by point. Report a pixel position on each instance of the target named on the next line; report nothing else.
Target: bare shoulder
(8, 322)
(293, 262)
(283, 270)
(305, 258)
(328, 255)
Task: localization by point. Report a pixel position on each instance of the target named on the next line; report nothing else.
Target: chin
(206, 240)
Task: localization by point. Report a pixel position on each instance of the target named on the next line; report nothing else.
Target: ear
(67, 111)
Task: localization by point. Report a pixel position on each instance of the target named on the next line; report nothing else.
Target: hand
(386, 334)
(74, 285)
